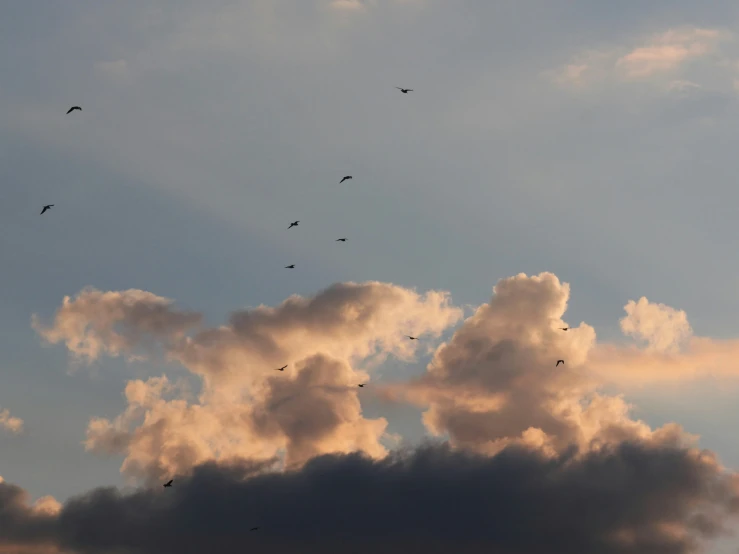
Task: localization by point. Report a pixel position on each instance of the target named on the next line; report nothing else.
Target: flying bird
(73, 108)
(559, 362)
(168, 483)
(254, 529)
(340, 240)
(280, 368)
(412, 338)
(360, 385)
(46, 208)
(346, 178)
(293, 224)
(404, 90)
(563, 328)
(292, 266)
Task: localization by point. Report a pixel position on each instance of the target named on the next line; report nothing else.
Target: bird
(254, 529)
(291, 266)
(559, 362)
(73, 108)
(168, 483)
(293, 224)
(412, 338)
(404, 90)
(563, 328)
(280, 368)
(360, 385)
(346, 178)
(46, 208)
(340, 240)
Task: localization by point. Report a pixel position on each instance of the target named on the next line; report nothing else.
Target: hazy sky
(595, 140)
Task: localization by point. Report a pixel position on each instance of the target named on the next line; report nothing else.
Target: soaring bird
(254, 529)
(293, 224)
(168, 483)
(404, 90)
(291, 266)
(46, 208)
(346, 178)
(340, 240)
(281, 368)
(563, 328)
(412, 338)
(360, 385)
(559, 362)
(73, 108)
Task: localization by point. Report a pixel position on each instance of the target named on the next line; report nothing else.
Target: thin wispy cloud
(664, 55)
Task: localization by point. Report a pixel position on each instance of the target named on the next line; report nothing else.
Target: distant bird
(563, 328)
(293, 224)
(404, 90)
(73, 108)
(412, 338)
(46, 208)
(281, 368)
(340, 240)
(346, 178)
(254, 529)
(292, 266)
(168, 483)
(559, 362)
(360, 385)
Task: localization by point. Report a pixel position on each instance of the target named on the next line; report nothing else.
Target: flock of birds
(46, 208)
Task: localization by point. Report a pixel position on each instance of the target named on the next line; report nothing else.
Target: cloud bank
(536, 457)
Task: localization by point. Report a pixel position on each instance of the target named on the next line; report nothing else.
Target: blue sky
(205, 130)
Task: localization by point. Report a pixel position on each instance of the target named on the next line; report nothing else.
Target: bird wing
(70, 110)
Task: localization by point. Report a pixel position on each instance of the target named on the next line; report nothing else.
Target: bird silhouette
(73, 108)
(404, 90)
(340, 240)
(46, 208)
(412, 338)
(346, 178)
(564, 328)
(360, 385)
(293, 224)
(280, 368)
(291, 266)
(254, 529)
(168, 483)
(559, 362)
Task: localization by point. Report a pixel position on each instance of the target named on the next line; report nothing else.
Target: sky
(559, 163)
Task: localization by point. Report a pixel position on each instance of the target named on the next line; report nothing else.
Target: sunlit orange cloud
(245, 409)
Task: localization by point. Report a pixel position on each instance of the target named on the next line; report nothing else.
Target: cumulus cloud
(13, 425)
(627, 499)
(245, 409)
(662, 327)
(495, 383)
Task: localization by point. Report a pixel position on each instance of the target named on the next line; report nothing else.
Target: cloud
(495, 383)
(662, 327)
(627, 499)
(662, 55)
(244, 409)
(348, 4)
(668, 51)
(9, 423)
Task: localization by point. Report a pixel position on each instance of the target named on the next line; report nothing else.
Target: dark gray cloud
(631, 498)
